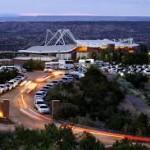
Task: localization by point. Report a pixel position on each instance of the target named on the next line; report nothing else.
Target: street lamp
(13, 58)
(40, 55)
(58, 54)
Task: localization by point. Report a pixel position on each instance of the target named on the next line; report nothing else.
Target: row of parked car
(8, 86)
(40, 96)
(118, 69)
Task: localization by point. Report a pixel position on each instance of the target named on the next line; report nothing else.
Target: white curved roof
(104, 42)
(50, 49)
(87, 43)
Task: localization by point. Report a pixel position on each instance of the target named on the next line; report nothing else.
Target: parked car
(65, 80)
(43, 109)
(75, 76)
(46, 88)
(146, 72)
(9, 86)
(13, 83)
(4, 88)
(50, 85)
(40, 94)
(44, 91)
(38, 103)
(55, 82)
(38, 100)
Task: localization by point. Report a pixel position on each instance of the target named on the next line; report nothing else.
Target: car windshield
(39, 94)
(64, 79)
(11, 82)
(45, 87)
(39, 102)
(43, 107)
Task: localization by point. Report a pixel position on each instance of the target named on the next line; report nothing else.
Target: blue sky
(77, 7)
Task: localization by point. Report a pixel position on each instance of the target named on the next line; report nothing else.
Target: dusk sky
(76, 7)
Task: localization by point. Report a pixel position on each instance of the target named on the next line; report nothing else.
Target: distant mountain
(17, 18)
(8, 15)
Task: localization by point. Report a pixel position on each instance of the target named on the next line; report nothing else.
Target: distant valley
(20, 35)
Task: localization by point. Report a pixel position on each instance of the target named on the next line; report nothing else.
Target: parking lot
(121, 70)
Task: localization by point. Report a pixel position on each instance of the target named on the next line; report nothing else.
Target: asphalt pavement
(22, 110)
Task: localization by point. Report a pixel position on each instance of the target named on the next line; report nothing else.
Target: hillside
(20, 35)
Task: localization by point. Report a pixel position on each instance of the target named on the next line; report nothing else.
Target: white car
(50, 85)
(80, 74)
(55, 82)
(3, 88)
(38, 100)
(113, 70)
(38, 103)
(21, 77)
(43, 108)
(146, 72)
(13, 83)
(9, 86)
(40, 94)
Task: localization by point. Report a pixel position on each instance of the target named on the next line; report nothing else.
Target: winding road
(22, 111)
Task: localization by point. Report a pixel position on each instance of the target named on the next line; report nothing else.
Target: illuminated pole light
(1, 110)
(1, 114)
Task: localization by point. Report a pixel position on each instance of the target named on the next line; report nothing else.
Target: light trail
(32, 87)
(27, 83)
(97, 132)
(29, 114)
(41, 116)
(25, 109)
(110, 134)
(58, 73)
(23, 101)
(42, 79)
(23, 83)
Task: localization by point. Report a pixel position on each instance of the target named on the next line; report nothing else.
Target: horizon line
(24, 15)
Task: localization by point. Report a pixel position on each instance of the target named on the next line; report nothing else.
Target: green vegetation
(94, 101)
(120, 56)
(88, 142)
(133, 59)
(33, 65)
(7, 75)
(111, 55)
(128, 145)
(51, 138)
(137, 79)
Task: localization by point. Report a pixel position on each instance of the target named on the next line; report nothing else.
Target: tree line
(6, 75)
(94, 101)
(53, 138)
(125, 58)
(32, 65)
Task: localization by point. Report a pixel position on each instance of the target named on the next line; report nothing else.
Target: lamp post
(13, 58)
(58, 55)
(40, 55)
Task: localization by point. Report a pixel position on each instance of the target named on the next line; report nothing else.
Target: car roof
(39, 92)
(39, 100)
(43, 105)
(50, 84)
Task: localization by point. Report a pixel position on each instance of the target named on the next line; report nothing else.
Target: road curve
(23, 113)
